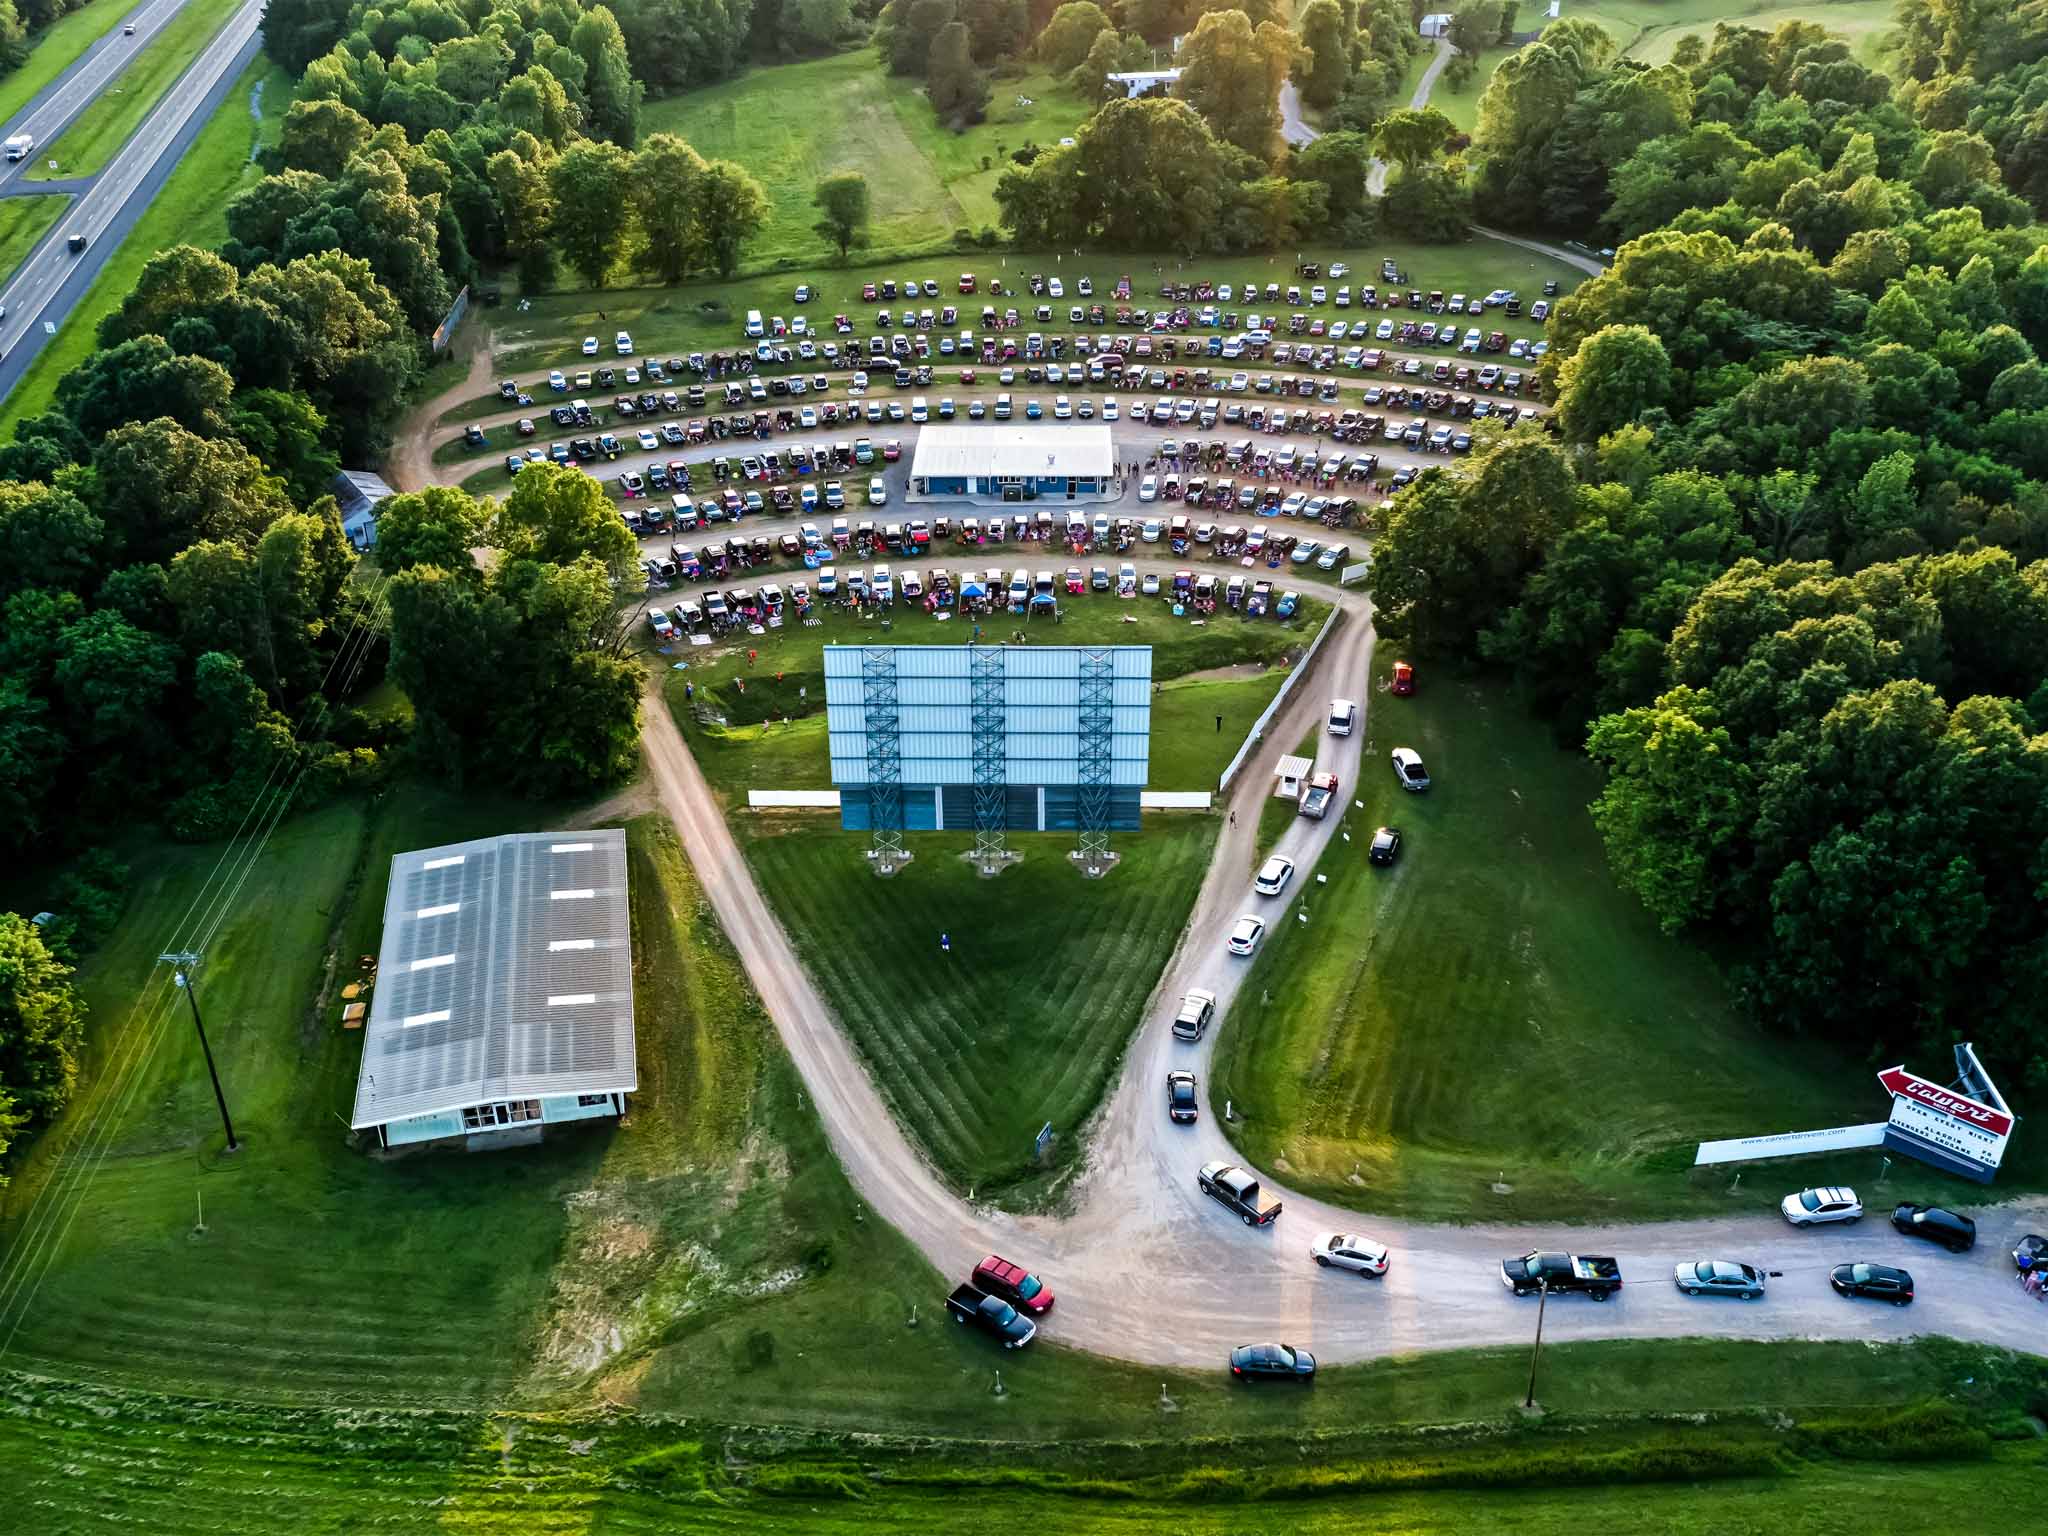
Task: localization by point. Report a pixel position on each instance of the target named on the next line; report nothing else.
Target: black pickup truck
(1598, 1277)
(1239, 1191)
(991, 1314)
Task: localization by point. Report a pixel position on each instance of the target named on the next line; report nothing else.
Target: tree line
(1778, 560)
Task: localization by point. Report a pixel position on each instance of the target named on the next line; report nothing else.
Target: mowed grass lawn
(793, 124)
(774, 735)
(1494, 1009)
(104, 126)
(24, 221)
(190, 209)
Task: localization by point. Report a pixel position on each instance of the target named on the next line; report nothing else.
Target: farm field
(1493, 980)
(191, 208)
(104, 126)
(792, 124)
(756, 749)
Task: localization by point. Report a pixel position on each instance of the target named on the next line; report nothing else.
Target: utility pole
(184, 960)
(1542, 1297)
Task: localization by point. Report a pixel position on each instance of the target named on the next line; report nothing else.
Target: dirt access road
(1148, 1269)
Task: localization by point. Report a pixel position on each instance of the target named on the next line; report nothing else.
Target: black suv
(1957, 1234)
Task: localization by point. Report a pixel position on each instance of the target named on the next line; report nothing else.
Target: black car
(1180, 1098)
(1880, 1282)
(2030, 1252)
(1386, 846)
(475, 437)
(1958, 1234)
(1272, 1362)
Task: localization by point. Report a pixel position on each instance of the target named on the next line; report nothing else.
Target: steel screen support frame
(1092, 776)
(991, 758)
(885, 759)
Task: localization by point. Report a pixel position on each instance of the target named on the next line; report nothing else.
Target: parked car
(992, 1315)
(2030, 1252)
(1271, 1362)
(1828, 1202)
(1719, 1277)
(1408, 769)
(1245, 935)
(1386, 846)
(1181, 1106)
(1338, 1250)
(1273, 876)
(1014, 1283)
(1880, 1282)
(1958, 1234)
(1598, 1275)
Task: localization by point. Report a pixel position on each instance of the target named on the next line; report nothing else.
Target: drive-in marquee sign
(1944, 1126)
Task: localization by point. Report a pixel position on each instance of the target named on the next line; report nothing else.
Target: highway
(71, 92)
(50, 283)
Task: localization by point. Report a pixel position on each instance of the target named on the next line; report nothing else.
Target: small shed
(1438, 25)
(1290, 775)
(358, 493)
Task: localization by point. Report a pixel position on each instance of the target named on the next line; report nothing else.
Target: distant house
(1146, 82)
(358, 491)
(1438, 25)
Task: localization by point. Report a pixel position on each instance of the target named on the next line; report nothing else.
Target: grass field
(105, 125)
(792, 124)
(191, 209)
(57, 48)
(756, 749)
(24, 221)
(93, 1458)
(1489, 981)
(1026, 1019)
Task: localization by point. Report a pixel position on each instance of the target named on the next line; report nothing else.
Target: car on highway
(1245, 935)
(1826, 1203)
(1181, 1106)
(1386, 846)
(997, 1276)
(1408, 770)
(1340, 1250)
(1933, 1224)
(1271, 1362)
(1880, 1282)
(1197, 1008)
(1719, 1277)
(1273, 876)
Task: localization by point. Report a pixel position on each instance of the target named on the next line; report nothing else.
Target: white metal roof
(1292, 767)
(506, 972)
(1012, 448)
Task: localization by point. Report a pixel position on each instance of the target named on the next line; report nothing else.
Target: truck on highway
(991, 1314)
(1597, 1276)
(20, 145)
(1239, 1191)
(1317, 796)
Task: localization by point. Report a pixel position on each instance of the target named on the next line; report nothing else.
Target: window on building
(485, 1117)
(592, 1100)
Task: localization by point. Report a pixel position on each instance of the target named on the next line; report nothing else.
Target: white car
(1828, 1202)
(1062, 408)
(1109, 408)
(590, 346)
(1149, 584)
(1151, 530)
(1273, 876)
(1408, 769)
(648, 440)
(1054, 287)
(878, 493)
(558, 381)
(1148, 488)
(1245, 935)
(807, 418)
(1360, 1255)
(623, 344)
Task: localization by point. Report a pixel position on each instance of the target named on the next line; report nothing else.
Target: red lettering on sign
(1908, 1085)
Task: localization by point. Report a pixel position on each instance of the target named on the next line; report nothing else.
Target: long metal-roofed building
(504, 996)
(1013, 461)
(1054, 723)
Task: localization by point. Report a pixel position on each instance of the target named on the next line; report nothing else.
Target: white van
(1002, 407)
(754, 325)
(1343, 716)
